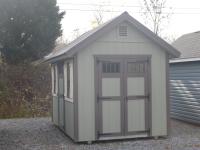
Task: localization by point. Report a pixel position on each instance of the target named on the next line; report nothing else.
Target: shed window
(134, 67)
(110, 67)
(54, 74)
(68, 80)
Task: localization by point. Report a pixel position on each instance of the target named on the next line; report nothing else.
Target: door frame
(97, 59)
(120, 99)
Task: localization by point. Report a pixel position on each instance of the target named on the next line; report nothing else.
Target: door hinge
(148, 129)
(98, 134)
(125, 98)
(97, 98)
(148, 97)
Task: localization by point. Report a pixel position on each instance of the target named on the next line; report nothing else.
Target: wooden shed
(112, 83)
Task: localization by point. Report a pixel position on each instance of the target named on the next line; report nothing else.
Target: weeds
(24, 91)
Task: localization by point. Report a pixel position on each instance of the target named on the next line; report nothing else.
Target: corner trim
(150, 95)
(96, 95)
(167, 95)
(76, 118)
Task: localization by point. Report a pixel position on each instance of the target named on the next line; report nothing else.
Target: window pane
(134, 67)
(54, 79)
(109, 67)
(68, 80)
(71, 80)
(65, 79)
(104, 67)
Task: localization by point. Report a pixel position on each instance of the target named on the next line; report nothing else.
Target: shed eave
(182, 60)
(58, 58)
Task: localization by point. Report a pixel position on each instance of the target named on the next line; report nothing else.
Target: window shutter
(71, 80)
(52, 79)
(65, 79)
(56, 86)
(54, 75)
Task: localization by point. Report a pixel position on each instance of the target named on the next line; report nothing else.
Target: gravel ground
(41, 134)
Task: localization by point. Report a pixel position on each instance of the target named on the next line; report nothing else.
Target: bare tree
(153, 13)
(170, 38)
(98, 14)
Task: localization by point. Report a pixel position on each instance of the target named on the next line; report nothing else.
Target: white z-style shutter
(54, 75)
(52, 79)
(56, 86)
(65, 79)
(71, 80)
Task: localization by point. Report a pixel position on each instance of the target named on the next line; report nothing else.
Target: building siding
(63, 110)
(69, 118)
(185, 91)
(135, 44)
(55, 110)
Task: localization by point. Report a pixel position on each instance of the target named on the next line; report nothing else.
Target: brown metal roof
(188, 45)
(90, 36)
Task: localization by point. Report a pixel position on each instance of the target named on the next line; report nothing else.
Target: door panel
(110, 97)
(135, 86)
(136, 91)
(136, 115)
(111, 86)
(111, 116)
(55, 109)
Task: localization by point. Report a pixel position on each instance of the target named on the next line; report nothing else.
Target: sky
(79, 18)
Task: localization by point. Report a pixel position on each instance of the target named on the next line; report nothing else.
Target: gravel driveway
(40, 133)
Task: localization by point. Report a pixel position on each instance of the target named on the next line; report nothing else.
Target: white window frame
(54, 69)
(70, 97)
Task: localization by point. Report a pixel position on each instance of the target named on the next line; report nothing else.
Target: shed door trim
(122, 97)
(110, 70)
(140, 72)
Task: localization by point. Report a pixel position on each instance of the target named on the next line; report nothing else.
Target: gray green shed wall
(110, 44)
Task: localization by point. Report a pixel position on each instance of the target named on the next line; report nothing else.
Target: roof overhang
(182, 60)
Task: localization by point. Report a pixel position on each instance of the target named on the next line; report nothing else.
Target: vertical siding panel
(185, 91)
(159, 119)
(55, 110)
(69, 118)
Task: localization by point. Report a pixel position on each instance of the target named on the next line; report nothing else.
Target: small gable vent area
(123, 31)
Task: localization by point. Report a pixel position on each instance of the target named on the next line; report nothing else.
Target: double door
(123, 95)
